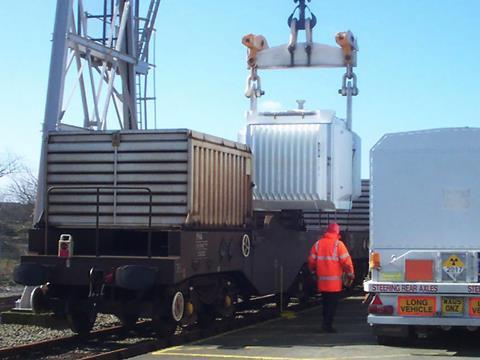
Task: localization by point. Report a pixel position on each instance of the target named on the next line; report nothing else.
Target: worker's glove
(348, 282)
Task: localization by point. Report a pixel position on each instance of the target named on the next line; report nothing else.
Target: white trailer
(424, 232)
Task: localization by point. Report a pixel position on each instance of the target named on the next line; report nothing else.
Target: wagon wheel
(164, 327)
(226, 304)
(166, 323)
(301, 291)
(206, 316)
(81, 316)
(128, 320)
(39, 301)
(128, 314)
(304, 287)
(190, 312)
(282, 300)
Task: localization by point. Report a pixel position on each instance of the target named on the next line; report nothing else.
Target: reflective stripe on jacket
(329, 259)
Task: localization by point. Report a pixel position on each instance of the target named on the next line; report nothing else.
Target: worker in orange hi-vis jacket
(328, 261)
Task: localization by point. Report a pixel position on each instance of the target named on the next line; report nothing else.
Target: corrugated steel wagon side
(194, 179)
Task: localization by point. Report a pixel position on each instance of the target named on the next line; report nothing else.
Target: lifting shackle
(253, 88)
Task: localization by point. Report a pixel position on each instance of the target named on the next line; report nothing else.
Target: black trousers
(329, 301)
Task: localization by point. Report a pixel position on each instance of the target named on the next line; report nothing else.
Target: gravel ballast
(15, 335)
(10, 290)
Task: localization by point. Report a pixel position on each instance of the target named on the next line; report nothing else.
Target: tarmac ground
(299, 337)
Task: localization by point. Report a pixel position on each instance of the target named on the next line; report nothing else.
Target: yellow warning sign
(452, 306)
(453, 261)
(391, 276)
(453, 266)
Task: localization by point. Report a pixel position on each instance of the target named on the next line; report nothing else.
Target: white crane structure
(99, 70)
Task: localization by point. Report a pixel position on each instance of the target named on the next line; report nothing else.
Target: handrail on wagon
(98, 190)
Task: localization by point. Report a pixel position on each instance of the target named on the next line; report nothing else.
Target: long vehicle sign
(417, 305)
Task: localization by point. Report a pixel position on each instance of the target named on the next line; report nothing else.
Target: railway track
(118, 343)
(56, 346)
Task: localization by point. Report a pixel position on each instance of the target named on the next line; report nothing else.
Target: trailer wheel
(393, 341)
(81, 316)
(386, 340)
(394, 335)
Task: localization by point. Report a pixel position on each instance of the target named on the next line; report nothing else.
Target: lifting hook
(301, 21)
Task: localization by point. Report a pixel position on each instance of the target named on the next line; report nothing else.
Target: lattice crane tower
(99, 69)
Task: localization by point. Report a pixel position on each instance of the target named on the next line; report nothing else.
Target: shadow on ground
(304, 331)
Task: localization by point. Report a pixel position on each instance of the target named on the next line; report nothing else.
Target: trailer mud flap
(135, 277)
(30, 274)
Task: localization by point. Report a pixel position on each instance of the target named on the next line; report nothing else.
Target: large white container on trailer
(424, 230)
(425, 190)
(303, 160)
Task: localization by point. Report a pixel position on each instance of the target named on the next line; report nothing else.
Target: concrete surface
(300, 338)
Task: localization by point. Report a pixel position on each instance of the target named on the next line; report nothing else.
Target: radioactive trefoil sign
(453, 267)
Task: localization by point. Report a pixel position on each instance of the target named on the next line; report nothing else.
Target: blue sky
(418, 65)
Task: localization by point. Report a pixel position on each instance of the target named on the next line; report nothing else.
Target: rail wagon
(137, 224)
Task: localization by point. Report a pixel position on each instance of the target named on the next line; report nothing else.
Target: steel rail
(250, 313)
(247, 320)
(40, 346)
